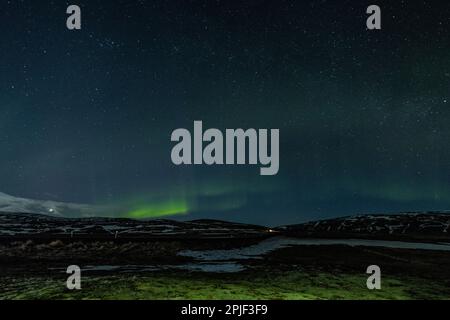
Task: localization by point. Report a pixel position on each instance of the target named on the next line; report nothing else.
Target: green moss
(288, 285)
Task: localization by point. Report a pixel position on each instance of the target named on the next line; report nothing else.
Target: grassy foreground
(283, 285)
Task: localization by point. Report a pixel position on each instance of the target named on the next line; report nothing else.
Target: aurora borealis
(86, 116)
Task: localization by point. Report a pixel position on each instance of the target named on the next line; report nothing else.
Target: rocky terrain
(431, 226)
(38, 226)
(423, 226)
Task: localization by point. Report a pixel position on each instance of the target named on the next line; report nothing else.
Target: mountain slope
(16, 204)
(424, 225)
(432, 226)
(25, 225)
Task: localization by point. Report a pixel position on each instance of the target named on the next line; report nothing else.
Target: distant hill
(13, 204)
(412, 225)
(429, 226)
(27, 225)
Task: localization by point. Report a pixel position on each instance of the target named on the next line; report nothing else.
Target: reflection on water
(257, 251)
(225, 261)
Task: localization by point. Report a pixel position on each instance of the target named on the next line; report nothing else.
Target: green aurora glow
(158, 210)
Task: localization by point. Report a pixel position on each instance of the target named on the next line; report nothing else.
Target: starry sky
(86, 116)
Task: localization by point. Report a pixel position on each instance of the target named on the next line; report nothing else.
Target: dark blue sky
(86, 116)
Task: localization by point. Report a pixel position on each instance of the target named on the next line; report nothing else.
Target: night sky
(364, 116)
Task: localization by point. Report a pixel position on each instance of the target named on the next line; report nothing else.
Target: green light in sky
(185, 198)
(158, 210)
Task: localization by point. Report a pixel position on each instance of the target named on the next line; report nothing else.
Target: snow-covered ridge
(63, 209)
(37, 225)
(404, 224)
